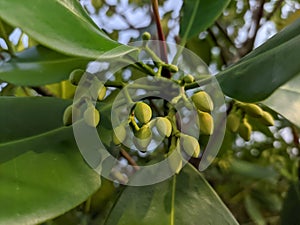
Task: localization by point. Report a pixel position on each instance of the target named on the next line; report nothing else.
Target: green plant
(43, 176)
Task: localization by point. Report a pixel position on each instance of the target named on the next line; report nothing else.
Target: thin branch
(129, 159)
(211, 34)
(163, 46)
(276, 7)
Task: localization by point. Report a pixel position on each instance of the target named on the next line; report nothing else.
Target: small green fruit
(142, 112)
(119, 134)
(102, 93)
(245, 130)
(188, 79)
(91, 116)
(146, 36)
(143, 138)
(233, 122)
(206, 123)
(75, 76)
(67, 117)
(164, 126)
(190, 145)
(253, 110)
(203, 101)
(267, 119)
(97, 4)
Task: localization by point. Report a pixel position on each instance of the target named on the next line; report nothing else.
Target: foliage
(43, 177)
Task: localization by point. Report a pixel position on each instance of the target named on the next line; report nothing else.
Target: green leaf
(290, 212)
(198, 15)
(42, 173)
(39, 66)
(266, 68)
(286, 100)
(184, 199)
(254, 211)
(69, 30)
(252, 170)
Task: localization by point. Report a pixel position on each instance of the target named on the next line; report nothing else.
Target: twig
(129, 159)
(163, 46)
(224, 61)
(276, 7)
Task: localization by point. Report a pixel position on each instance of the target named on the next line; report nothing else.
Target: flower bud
(102, 93)
(253, 110)
(143, 138)
(203, 101)
(190, 145)
(206, 123)
(188, 79)
(119, 134)
(142, 112)
(75, 76)
(233, 122)
(267, 119)
(67, 117)
(146, 36)
(91, 116)
(245, 130)
(175, 161)
(164, 126)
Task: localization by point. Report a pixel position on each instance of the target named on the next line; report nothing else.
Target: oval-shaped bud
(175, 161)
(142, 112)
(267, 119)
(245, 130)
(97, 4)
(67, 117)
(233, 122)
(253, 110)
(91, 116)
(119, 134)
(75, 76)
(102, 93)
(188, 79)
(190, 145)
(164, 126)
(143, 138)
(203, 101)
(206, 123)
(146, 36)
(173, 68)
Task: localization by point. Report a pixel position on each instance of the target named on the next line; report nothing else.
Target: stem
(129, 159)
(161, 37)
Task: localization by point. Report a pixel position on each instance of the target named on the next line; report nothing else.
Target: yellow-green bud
(190, 145)
(67, 117)
(146, 36)
(203, 101)
(102, 93)
(175, 162)
(245, 130)
(142, 112)
(91, 116)
(173, 68)
(164, 126)
(253, 110)
(119, 134)
(188, 79)
(233, 122)
(267, 119)
(206, 123)
(75, 76)
(97, 4)
(143, 138)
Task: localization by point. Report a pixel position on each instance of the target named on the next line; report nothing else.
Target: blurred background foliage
(258, 180)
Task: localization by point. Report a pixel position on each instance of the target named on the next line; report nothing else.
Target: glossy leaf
(290, 212)
(42, 173)
(39, 66)
(260, 73)
(69, 30)
(184, 199)
(198, 15)
(286, 100)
